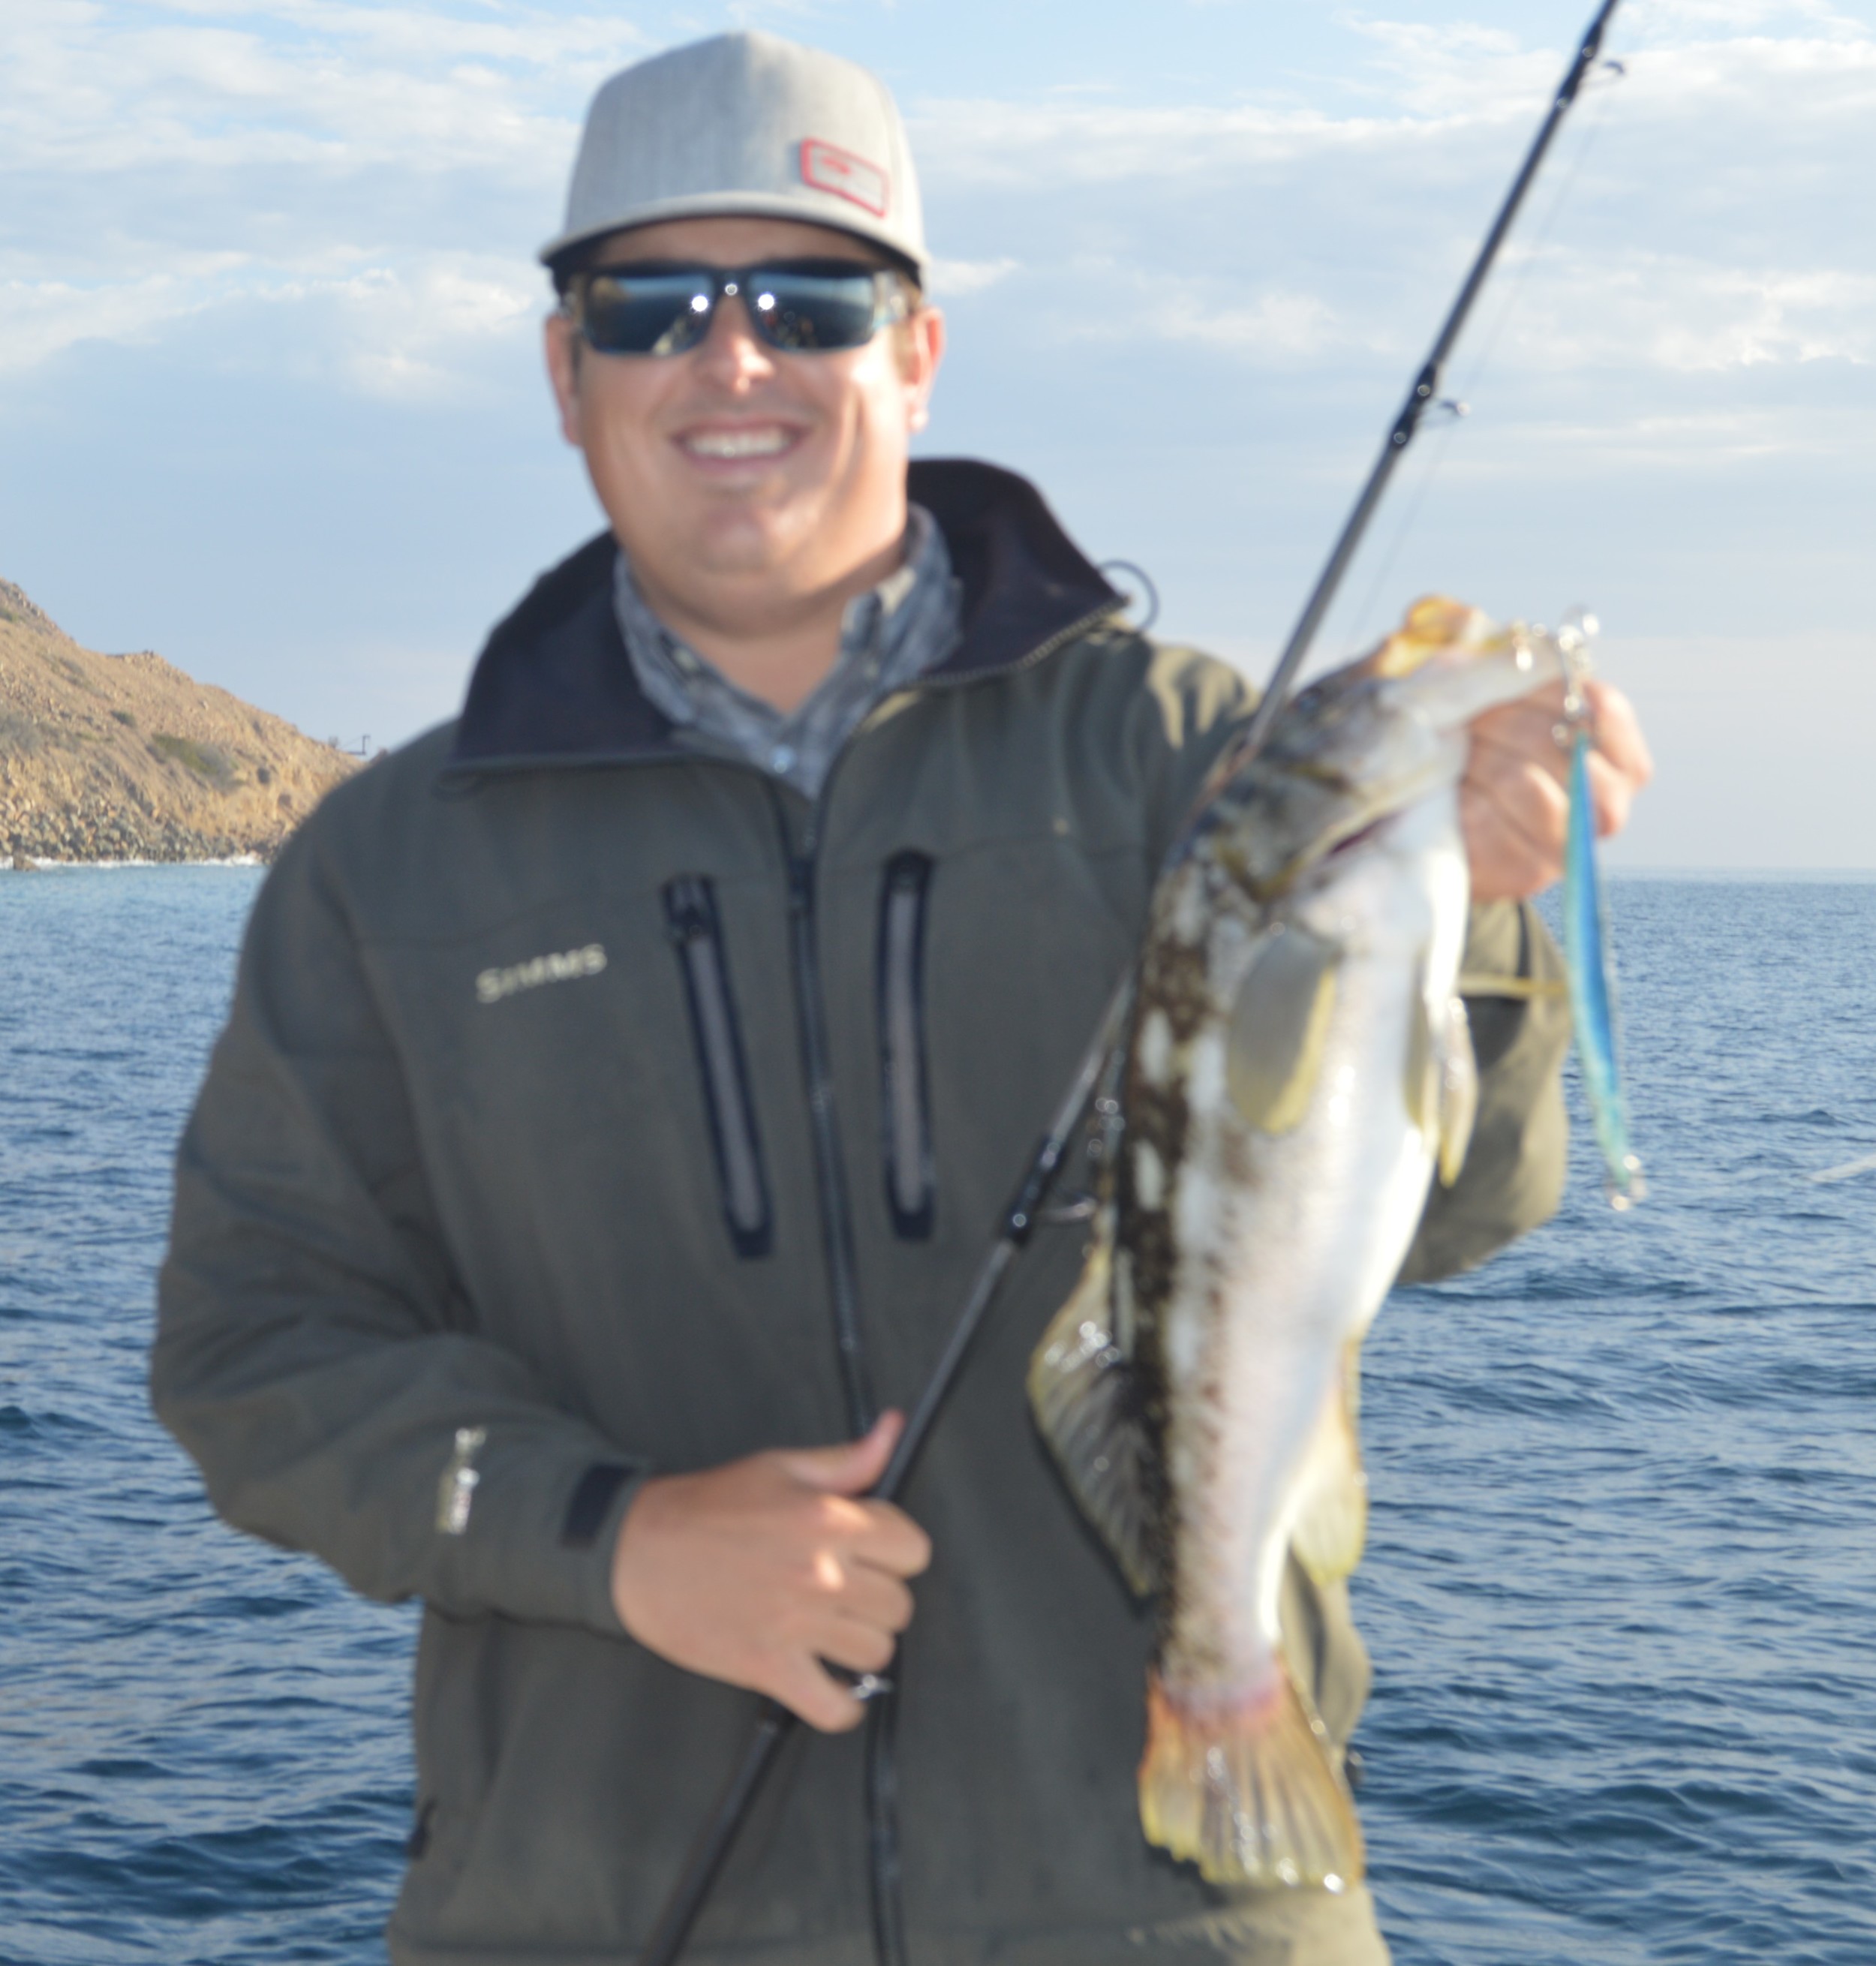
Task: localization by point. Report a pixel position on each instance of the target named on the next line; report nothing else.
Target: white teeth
(737, 444)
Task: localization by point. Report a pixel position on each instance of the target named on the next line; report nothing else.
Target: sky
(270, 400)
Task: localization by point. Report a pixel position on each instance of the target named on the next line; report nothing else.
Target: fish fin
(1279, 1024)
(1332, 1525)
(1440, 1081)
(1458, 1091)
(1419, 1080)
(1086, 1400)
(1519, 989)
(1249, 1792)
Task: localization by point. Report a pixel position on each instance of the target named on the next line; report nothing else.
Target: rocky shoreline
(115, 758)
(90, 833)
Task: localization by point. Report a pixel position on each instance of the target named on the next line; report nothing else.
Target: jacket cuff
(589, 1528)
(535, 1541)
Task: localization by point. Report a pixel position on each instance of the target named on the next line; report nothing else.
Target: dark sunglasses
(799, 306)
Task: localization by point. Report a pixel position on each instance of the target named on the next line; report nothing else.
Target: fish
(1295, 1072)
(1588, 952)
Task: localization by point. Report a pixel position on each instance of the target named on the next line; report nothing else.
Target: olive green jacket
(588, 1106)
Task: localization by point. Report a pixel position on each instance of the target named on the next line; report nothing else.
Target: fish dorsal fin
(1279, 1026)
(1458, 1091)
(1084, 1394)
(1332, 1523)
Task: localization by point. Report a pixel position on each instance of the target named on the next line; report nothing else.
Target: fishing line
(1521, 277)
(1436, 455)
(1458, 406)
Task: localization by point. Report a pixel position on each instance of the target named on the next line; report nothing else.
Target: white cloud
(192, 155)
(384, 170)
(98, 90)
(413, 332)
(1020, 145)
(40, 318)
(1458, 68)
(953, 280)
(1274, 325)
(1638, 311)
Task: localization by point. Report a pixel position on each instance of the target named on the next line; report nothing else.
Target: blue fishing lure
(1589, 955)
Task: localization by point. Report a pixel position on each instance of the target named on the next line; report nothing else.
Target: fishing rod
(774, 1721)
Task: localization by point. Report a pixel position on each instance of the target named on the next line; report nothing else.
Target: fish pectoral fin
(1458, 1091)
(1085, 1397)
(1279, 1026)
(1518, 989)
(1331, 1525)
(1249, 1791)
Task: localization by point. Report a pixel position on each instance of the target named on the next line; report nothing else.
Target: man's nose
(731, 349)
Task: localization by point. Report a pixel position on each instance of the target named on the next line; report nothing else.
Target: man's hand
(766, 1571)
(1514, 803)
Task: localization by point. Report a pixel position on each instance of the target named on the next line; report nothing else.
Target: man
(622, 1085)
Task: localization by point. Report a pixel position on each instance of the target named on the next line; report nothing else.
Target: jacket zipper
(836, 1217)
(691, 922)
(905, 1109)
(882, 1823)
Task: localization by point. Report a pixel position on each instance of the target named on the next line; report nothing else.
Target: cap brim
(831, 213)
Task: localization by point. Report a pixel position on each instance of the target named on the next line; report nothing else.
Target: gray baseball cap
(746, 125)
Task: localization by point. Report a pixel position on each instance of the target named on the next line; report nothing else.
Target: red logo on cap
(827, 167)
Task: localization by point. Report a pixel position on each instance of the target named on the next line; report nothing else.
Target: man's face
(741, 478)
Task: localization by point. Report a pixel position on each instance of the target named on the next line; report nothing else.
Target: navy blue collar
(553, 685)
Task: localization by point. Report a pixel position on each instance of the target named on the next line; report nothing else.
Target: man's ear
(922, 349)
(562, 347)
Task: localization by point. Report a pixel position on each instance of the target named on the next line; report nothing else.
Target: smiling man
(623, 1082)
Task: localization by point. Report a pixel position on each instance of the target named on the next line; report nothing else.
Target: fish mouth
(1364, 832)
(1452, 661)
(1438, 632)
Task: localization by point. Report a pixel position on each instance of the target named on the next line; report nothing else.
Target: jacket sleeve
(314, 1352)
(1511, 1178)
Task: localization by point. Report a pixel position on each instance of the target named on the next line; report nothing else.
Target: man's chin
(748, 538)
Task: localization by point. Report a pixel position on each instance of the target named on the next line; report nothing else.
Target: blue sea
(1621, 1579)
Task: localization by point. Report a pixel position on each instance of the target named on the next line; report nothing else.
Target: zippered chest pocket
(690, 921)
(905, 1106)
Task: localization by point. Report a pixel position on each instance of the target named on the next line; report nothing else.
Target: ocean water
(1621, 1581)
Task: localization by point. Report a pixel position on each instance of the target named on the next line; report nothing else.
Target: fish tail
(1247, 1791)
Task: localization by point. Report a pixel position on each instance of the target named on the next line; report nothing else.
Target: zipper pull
(685, 920)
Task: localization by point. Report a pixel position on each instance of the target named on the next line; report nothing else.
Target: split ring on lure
(1589, 954)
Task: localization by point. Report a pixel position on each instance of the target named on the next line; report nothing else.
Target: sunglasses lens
(664, 311)
(645, 313)
(802, 310)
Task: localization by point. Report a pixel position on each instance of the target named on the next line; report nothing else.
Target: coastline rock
(126, 758)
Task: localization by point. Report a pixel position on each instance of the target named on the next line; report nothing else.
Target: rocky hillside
(124, 758)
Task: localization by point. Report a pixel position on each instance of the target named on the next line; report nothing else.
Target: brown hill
(124, 758)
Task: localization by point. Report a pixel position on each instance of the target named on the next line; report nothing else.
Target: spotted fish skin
(1296, 1053)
